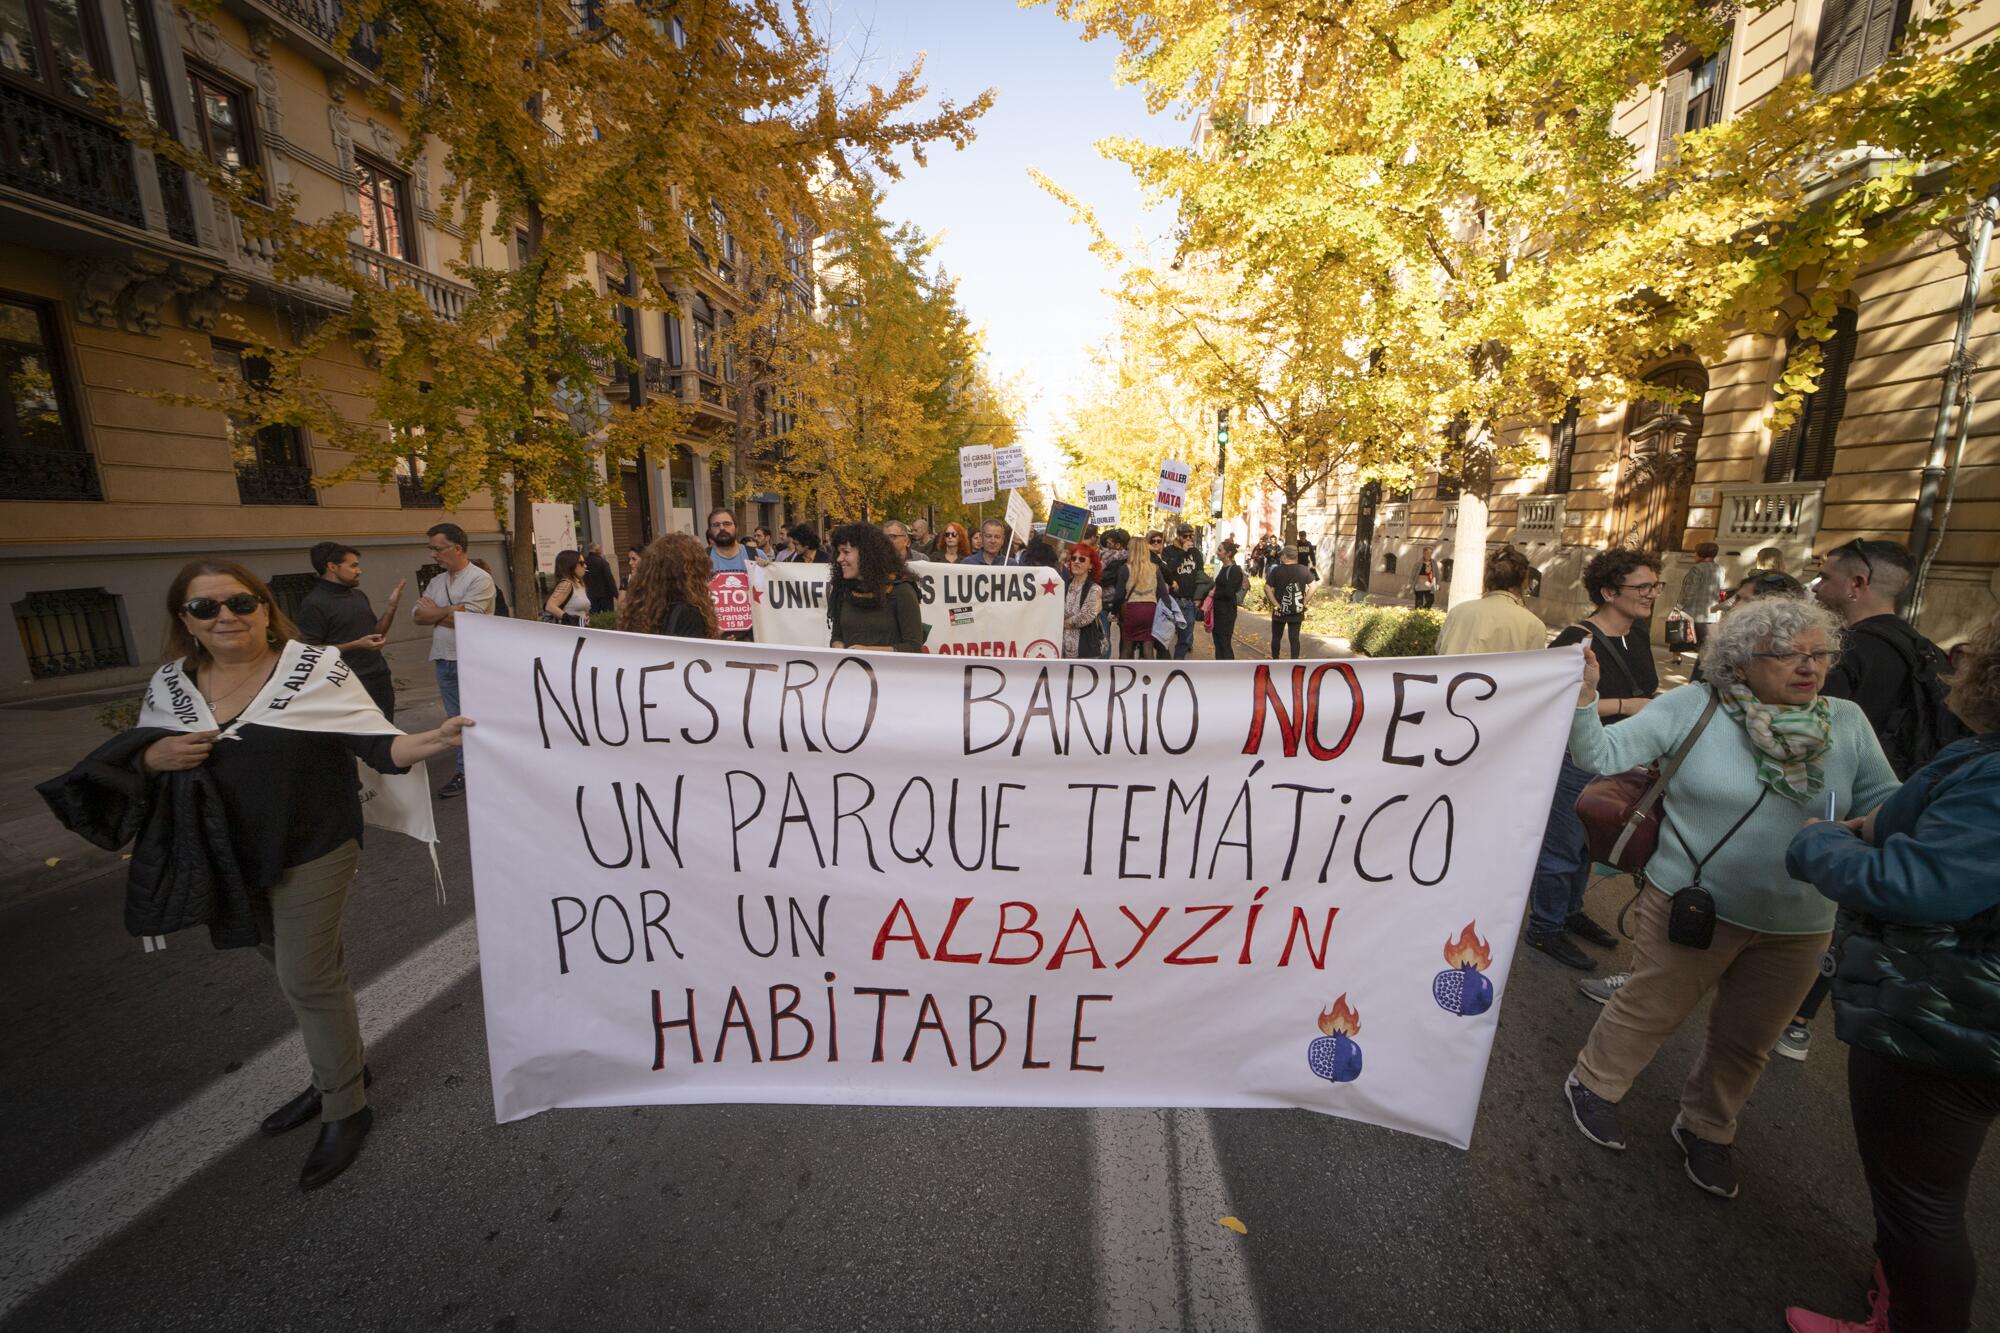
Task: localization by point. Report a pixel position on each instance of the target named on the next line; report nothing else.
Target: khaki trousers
(299, 924)
(1758, 981)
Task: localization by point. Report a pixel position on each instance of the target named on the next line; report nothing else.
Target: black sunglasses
(1858, 549)
(208, 608)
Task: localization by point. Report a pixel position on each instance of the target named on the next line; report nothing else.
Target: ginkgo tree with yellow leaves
(885, 377)
(624, 134)
(1449, 178)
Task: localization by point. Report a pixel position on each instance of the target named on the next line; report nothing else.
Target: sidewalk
(44, 738)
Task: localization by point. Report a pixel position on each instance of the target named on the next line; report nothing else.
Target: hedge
(1377, 631)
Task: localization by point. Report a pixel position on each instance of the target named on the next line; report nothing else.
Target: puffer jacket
(183, 870)
(1916, 947)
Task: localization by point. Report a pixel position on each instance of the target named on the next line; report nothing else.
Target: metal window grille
(289, 591)
(70, 631)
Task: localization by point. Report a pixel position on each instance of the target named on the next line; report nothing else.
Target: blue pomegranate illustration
(1462, 988)
(1335, 1056)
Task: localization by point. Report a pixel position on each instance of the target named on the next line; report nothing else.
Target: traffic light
(1221, 461)
(1222, 427)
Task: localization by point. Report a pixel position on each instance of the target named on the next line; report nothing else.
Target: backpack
(1920, 724)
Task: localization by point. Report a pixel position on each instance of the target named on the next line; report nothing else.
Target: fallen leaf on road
(1235, 1224)
(126, 856)
(52, 861)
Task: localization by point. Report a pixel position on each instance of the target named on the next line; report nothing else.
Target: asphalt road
(137, 1194)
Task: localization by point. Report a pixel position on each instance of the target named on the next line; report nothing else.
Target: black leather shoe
(1557, 946)
(304, 1107)
(339, 1144)
(1590, 932)
(453, 788)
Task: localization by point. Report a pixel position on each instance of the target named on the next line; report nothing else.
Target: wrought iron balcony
(416, 494)
(29, 473)
(174, 196)
(261, 484)
(70, 631)
(67, 156)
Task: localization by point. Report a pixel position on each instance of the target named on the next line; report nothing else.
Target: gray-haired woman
(1774, 754)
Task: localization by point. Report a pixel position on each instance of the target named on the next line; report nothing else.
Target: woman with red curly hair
(953, 545)
(669, 591)
(1083, 602)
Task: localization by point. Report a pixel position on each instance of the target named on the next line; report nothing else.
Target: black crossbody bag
(1691, 910)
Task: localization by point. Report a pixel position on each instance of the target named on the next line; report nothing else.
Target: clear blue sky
(1026, 274)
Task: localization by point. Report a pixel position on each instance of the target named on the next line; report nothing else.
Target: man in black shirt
(1181, 566)
(1860, 582)
(600, 584)
(1285, 590)
(336, 611)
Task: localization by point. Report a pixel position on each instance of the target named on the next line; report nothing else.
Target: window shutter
(1785, 448)
(1837, 57)
(1562, 449)
(1673, 115)
(1712, 114)
(1878, 33)
(1829, 401)
(674, 341)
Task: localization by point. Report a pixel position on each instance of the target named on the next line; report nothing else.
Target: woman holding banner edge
(1717, 910)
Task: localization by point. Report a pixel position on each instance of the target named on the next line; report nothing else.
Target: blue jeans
(1184, 637)
(447, 674)
(1563, 868)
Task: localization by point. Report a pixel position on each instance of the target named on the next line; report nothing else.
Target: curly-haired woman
(1916, 997)
(953, 545)
(669, 591)
(872, 599)
(1718, 914)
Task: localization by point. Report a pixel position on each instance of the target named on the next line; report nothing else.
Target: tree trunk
(1468, 544)
(521, 567)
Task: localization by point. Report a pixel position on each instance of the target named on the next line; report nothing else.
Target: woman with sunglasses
(1083, 602)
(1717, 913)
(292, 805)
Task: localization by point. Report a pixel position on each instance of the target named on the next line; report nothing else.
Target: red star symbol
(756, 594)
(1049, 588)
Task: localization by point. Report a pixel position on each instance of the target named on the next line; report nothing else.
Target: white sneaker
(1601, 989)
(1795, 1042)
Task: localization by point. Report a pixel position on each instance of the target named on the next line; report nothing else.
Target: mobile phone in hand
(1830, 806)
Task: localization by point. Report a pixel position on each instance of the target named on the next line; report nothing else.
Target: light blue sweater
(1713, 789)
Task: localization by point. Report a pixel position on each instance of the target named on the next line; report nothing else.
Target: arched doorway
(1656, 462)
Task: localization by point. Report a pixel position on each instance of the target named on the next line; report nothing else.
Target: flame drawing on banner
(1333, 1055)
(1463, 988)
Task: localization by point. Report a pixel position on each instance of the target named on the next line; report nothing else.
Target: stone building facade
(1669, 477)
(115, 269)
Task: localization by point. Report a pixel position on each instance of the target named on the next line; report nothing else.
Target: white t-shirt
(471, 588)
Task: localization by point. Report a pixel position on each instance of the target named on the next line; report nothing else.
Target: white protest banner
(972, 610)
(975, 474)
(1020, 518)
(1172, 492)
(1010, 467)
(721, 872)
(1103, 499)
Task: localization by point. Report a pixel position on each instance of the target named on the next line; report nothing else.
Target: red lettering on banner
(944, 953)
(883, 938)
(1302, 718)
(1175, 957)
(1088, 946)
(1025, 928)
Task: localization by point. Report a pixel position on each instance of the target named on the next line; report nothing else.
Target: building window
(1691, 100)
(1803, 451)
(222, 119)
(1855, 36)
(384, 208)
(71, 631)
(680, 480)
(272, 465)
(289, 591)
(47, 42)
(1389, 563)
(718, 484)
(41, 453)
(704, 337)
(675, 355)
(1562, 450)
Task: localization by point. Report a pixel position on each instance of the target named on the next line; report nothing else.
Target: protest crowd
(1817, 811)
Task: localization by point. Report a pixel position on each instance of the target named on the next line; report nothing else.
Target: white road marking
(45, 1237)
(1164, 1264)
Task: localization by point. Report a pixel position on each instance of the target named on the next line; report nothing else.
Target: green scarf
(1791, 743)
